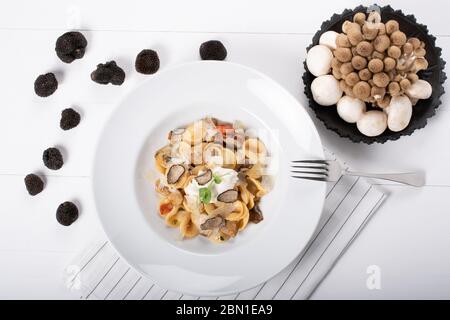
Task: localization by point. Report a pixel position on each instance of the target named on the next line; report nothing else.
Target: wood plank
(261, 16)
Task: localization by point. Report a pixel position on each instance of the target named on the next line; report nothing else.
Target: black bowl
(423, 110)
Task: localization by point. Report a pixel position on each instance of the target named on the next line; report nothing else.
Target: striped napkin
(99, 272)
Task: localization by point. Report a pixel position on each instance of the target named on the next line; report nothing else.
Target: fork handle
(416, 179)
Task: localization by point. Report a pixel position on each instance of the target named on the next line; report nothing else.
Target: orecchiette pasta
(166, 207)
(254, 150)
(211, 179)
(255, 172)
(255, 187)
(238, 212)
(244, 221)
(162, 158)
(195, 133)
(181, 181)
(173, 219)
(247, 197)
(187, 227)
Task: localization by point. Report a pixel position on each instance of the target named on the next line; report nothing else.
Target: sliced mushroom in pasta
(213, 223)
(230, 228)
(256, 215)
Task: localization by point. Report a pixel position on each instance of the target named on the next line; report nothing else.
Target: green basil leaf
(205, 195)
(217, 179)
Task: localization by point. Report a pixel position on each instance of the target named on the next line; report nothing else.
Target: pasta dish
(212, 178)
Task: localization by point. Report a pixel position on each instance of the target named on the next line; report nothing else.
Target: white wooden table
(408, 239)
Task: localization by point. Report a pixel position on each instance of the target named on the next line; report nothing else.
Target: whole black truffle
(53, 159)
(67, 213)
(108, 72)
(147, 61)
(45, 85)
(70, 46)
(213, 50)
(69, 119)
(34, 184)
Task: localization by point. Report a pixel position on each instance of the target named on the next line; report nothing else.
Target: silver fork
(332, 170)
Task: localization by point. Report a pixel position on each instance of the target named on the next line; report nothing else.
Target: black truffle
(34, 184)
(70, 46)
(53, 159)
(213, 50)
(69, 119)
(147, 61)
(67, 213)
(45, 85)
(108, 72)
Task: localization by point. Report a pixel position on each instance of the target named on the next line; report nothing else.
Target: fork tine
(319, 173)
(316, 170)
(311, 161)
(324, 168)
(309, 178)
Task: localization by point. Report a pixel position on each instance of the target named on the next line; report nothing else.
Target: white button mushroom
(326, 90)
(350, 109)
(399, 113)
(318, 60)
(329, 39)
(420, 89)
(372, 123)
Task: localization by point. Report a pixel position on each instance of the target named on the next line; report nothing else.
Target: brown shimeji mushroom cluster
(369, 63)
(375, 61)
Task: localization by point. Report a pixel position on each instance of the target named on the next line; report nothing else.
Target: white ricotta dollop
(228, 179)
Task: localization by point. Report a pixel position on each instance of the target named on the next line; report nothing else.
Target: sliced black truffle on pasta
(204, 178)
(213, 223)
(175, 173)
(228, 196)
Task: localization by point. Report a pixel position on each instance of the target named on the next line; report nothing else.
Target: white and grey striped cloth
(99, 273)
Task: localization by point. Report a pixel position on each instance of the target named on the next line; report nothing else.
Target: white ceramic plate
(124, 173)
